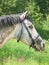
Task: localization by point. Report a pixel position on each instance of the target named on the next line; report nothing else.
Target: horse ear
(23, 15)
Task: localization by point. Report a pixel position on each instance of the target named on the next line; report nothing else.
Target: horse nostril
(42, 48)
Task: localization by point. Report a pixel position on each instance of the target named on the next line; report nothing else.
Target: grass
(14, 53)
(14, 61)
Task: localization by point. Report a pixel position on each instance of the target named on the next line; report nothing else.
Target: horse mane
(9, 20)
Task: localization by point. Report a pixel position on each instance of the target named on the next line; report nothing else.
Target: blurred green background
(14, 53)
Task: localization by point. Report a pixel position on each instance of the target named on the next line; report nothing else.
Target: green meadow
(14, 53)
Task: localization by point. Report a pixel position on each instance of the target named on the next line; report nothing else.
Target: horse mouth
(39, 49)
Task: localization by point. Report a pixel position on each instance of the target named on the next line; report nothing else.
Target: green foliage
(12, 6)
(44, 6)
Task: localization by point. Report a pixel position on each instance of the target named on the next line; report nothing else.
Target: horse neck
(7, 25)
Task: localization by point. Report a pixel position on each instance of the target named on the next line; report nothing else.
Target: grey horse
(19, 27)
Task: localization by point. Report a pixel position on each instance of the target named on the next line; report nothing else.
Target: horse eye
(31, 27)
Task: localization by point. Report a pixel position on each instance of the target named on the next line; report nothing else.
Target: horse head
(26, 32)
